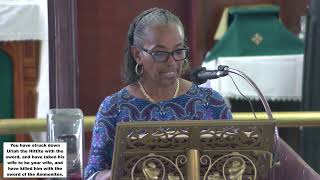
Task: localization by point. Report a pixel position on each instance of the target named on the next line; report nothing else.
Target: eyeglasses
(161, 56)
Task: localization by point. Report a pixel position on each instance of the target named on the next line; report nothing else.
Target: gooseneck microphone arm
(255, 87)
(265, 105)
(201, 75)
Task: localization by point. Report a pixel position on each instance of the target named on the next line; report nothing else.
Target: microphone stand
(276, 159)
(255, 87)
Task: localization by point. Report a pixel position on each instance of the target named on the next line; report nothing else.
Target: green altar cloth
(255, 31)
(258, 31)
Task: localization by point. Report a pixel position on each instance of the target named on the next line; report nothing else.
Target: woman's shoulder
(197, 90)
(210, 98)
(210, 91)
(114, 98)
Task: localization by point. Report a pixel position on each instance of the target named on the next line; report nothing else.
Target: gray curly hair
(146, 19)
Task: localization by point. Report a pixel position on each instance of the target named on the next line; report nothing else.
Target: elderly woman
(156, 56)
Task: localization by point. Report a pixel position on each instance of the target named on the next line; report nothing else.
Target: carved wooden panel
(25, 58)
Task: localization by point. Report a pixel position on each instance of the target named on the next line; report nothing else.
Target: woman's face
(167, 38)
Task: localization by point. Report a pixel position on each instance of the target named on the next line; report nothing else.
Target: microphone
(201, 75)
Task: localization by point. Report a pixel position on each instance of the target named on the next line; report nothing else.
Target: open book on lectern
(177, 150)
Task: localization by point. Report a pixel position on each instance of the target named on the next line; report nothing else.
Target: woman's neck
(156, 92)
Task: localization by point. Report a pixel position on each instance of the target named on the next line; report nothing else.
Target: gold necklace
(150, 98)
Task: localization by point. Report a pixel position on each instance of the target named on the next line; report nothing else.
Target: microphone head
(194, 75)
(223, 68)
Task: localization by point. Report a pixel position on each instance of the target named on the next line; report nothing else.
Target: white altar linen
(25, 20)
(278, 77)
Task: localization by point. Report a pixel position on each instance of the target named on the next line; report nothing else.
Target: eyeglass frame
(151, 53)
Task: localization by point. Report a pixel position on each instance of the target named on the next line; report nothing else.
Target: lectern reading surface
(213, 150)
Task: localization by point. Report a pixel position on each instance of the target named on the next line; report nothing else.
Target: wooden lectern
(194, 150)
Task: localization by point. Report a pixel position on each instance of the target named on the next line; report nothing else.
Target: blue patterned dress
(197, 103)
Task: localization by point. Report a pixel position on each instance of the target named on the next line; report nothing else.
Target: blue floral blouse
(197, 103)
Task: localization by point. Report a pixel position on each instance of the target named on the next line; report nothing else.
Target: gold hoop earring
(137, 69)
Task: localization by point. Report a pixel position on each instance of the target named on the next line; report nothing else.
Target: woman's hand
(104, 175)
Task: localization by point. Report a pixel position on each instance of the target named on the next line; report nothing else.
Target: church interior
(59, 54)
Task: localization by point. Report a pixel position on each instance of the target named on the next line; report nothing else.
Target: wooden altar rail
(283, 119)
